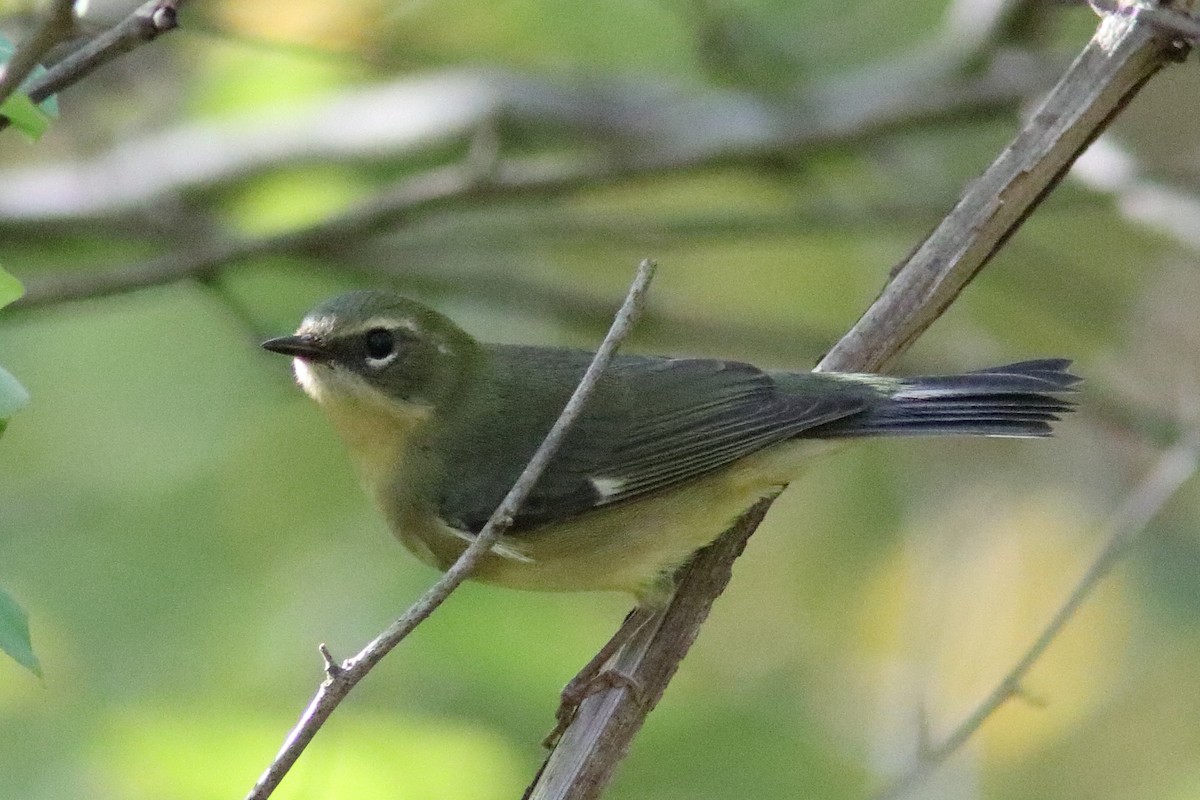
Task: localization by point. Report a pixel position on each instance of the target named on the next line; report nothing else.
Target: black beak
(306, 347)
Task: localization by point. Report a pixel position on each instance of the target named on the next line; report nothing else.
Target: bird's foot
(583, 686)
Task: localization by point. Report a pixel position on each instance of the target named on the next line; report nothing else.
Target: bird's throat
(377, 432)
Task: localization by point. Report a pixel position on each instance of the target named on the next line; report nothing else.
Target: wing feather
(654, 423)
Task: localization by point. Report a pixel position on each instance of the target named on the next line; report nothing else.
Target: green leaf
(14, 634)
(10, 288)
(14, 624)
(13, 396)
(25, 115)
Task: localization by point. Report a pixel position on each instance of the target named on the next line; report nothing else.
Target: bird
(666, 454)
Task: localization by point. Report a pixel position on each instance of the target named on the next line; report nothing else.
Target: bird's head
(379, 349)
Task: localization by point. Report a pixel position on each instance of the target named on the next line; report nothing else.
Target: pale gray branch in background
(77, 191)
(667, 132)
(658, 127)
(408, 197)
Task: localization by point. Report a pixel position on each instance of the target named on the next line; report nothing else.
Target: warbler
(667, 453)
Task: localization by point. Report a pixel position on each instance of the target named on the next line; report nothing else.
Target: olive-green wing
(654, 423)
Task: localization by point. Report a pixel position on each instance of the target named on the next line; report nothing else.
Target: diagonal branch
(1122, 55)
(342, 678)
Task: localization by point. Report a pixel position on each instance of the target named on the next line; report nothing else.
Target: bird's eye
(380, 343)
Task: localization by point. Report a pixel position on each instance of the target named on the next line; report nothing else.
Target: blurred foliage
(14, 622)
(184, 528)
(25, 115)
(13, 396)
(30, 118)
(14, 634)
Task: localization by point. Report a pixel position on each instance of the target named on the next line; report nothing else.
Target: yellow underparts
(627, 547)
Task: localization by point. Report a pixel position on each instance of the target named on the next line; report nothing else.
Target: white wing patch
(607, 487)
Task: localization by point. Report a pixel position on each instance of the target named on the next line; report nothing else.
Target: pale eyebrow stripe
(407, 323)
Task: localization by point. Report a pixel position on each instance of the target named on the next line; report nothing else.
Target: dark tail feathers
(1014, 400)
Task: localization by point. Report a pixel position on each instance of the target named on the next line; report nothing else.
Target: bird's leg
(595, 677)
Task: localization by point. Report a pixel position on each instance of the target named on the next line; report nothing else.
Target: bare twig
(57, 27)
(1173, 469)
(1121, 56)
(147, 22)
(342, 678)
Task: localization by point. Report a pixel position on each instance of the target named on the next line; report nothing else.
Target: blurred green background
(183, 528)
